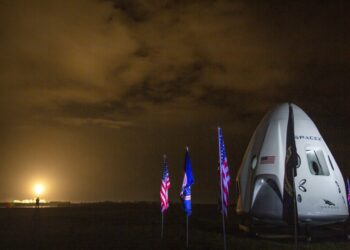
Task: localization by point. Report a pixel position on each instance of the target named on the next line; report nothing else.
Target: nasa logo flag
(164, 187)
(225, 181)
(188, 180)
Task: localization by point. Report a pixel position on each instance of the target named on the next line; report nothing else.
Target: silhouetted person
(36, 230)
(37, 202)
(315, 168)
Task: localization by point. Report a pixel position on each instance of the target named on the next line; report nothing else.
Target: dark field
(134, 226)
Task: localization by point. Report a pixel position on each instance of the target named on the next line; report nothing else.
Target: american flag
(224, 173)
(348, 184)
(164, 187)
(267, 160)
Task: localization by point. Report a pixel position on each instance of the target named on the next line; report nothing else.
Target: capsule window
(299, 161)
(254, 162)
(316, 161)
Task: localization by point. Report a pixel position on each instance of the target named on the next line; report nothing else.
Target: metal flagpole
(161, 234)
(222, 202)
(223, 229)
(295, 217)
(186, 231)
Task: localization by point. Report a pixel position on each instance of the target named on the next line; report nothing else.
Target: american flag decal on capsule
(267, 159)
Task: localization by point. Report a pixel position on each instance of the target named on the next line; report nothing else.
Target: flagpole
(295, 217)
(164, 206)
(348, 202)
(187, 231)
(223, 228)
(187, 149)
(186, 191)
(222, 202)
(161, 234)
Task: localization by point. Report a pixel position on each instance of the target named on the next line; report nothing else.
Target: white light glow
(38, 189)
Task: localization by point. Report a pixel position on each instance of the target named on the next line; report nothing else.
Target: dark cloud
(158, 91)
(108, 123)
(138, 11)
(93, 58)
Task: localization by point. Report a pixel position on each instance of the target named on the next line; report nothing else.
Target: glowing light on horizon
(38, 189)
(28, 201)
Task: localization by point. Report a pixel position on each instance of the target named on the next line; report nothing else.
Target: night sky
(93, 93)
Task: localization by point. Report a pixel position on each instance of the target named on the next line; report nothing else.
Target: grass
(133, 226)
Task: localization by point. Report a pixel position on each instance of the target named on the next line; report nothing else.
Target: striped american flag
(267, 159)
(164, 187)
(224, 173)
(348, 186)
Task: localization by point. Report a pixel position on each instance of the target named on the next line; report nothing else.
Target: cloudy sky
(93, 93)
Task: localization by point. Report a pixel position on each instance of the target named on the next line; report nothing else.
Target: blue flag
(186, 185)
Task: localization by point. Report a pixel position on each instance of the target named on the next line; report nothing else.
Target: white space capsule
(319, 185)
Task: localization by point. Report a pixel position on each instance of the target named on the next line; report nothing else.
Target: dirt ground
(136, 226)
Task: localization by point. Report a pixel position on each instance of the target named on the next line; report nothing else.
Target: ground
(135, 226)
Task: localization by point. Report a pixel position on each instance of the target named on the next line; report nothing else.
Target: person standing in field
(37, 202)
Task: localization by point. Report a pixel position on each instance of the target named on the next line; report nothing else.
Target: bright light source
(38, 189)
